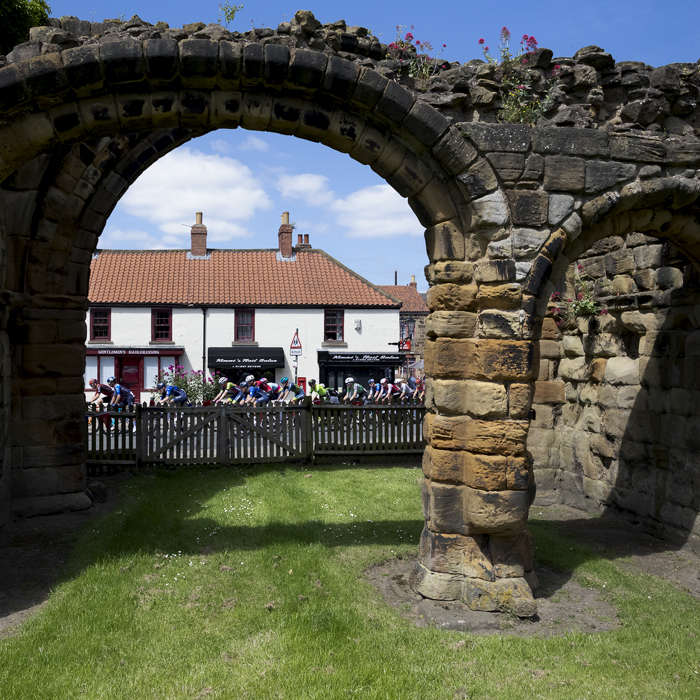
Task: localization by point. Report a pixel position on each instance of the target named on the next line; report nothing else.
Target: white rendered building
(236, 312)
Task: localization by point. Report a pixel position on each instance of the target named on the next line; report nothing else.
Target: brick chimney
(303, 242)
(199, 238)
(285, 236)
(413, 282)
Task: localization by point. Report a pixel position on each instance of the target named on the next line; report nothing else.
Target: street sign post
(295, 352)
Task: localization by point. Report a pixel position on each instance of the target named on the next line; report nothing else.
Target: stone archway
(503, 206)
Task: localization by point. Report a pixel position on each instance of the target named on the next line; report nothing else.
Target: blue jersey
(121, 391)
(175, 393)
(257, 393)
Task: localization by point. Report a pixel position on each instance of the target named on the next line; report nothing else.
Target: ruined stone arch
(506, 208)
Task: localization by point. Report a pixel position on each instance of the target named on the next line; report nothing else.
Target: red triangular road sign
(296, 343)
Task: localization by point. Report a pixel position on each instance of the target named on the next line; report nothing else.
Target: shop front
(334, 367)
(137, 368)
(236, 362)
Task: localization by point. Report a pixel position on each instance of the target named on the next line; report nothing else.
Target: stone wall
(617, 426)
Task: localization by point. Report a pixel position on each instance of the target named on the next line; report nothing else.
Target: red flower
(525, 37)
(524, 60)
(481, 41)
(409, 36)
(486, 48)
(444, 45)
(417, 42)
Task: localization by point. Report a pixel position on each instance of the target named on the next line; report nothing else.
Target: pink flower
(417, 42)
(524, 60)
(409, 36)
(525, 37)
(579, 296)
(580, 267)
(486, 48)
(482, 41)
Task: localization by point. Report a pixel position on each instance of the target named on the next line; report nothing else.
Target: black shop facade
(237, 362)
(335, 367)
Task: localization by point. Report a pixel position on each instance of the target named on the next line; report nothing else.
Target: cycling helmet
(223, 381)
(284, 380)
(349, 380)
(370, 382)
(161, 385)
(111, 380)
(92, 381)
(312, 382)
(250, 378)
(398, 380)
(382, 381)
(243, 385)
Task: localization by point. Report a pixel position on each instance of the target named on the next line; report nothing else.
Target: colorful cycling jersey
(322, 393)
(175, 393)
(296, 390)
(231, 390)
(257, 393)
(104, 389)
(122, 391)
(352, 388)
(274, 390)
(263, 386)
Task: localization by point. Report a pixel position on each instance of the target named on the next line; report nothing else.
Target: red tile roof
(229, 278)
(412, 301)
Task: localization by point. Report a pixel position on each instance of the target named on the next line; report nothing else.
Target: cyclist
(354, 391)
(171, 395)
(372, 391)
(318, 391)
(385, 391)
(256, 395)
(228, 391)
(102, 392)
(294, 389)
(122, 397)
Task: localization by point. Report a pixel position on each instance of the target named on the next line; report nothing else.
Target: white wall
(131, 327)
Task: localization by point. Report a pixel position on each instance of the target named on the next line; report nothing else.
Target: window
(161, 324)
(333, 325)
(100, 326)
(245, 325)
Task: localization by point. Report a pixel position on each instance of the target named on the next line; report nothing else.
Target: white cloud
(254, 143)
(310, 187)
(220, 146)
(376, 212)
(128, 239)
(186, 181)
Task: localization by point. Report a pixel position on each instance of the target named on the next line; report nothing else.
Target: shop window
(333, 324)
(100, 324)
(161, 325)
(245, 325)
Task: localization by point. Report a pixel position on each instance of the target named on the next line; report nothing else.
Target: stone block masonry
(85, 108)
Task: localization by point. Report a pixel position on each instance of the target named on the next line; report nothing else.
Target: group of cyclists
(261, 392)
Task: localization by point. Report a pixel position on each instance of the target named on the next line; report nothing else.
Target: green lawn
(249, 584)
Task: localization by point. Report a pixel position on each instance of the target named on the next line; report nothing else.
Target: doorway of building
(130, 373)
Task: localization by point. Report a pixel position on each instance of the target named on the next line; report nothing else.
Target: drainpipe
(204, 340)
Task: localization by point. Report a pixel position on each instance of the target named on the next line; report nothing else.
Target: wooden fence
(226, 435)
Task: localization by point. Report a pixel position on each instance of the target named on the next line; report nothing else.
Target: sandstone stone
(571, 392)
(572, 226)
(637, 322)
(622, 370)
(597, 369)
(572, 345)
(499, 324)
(436, 585)
(505, 595)
(619, 261)
(509, 166)
(454, 271)
(452, 297)
(486, 472)
(446, 508)
(48, 505)
(443, 465)
(603, 345)
(495, 437)
(648, 256)
(449, 396)
(669, 277)
(550, 349)
(494, 271)
(602, 175)
(549, 392)
(444, 242)
(577, 370)
(511, 556)
(544, 373)
(522, 269)
(478, 180)
(527, 242)
(495, 512)
(528, 208)
(520, 400)
(499, 296)
(564, 174)
(486, 400)
(560, 206)
(455, 554)
(451, 324)
(489, 210)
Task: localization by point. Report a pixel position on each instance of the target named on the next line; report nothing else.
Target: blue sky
(244, 180)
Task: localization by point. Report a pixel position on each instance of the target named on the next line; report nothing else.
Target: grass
(249, 584)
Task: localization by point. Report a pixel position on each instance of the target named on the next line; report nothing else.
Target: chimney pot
(299, 240)
(199, 217)
(285, 236)
(306, 239)
(413, 282)
(285, 217)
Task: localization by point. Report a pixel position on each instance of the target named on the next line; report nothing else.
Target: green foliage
(195, 384)
(567, 311)
(227, 11)
(16, 18)
(521, 103)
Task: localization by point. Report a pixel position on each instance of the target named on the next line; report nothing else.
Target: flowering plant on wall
(520, 103)
(567, 311)
(415, 54)
(195, 384)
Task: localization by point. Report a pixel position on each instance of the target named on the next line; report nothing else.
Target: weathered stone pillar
(478, 475)
(48, 406)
